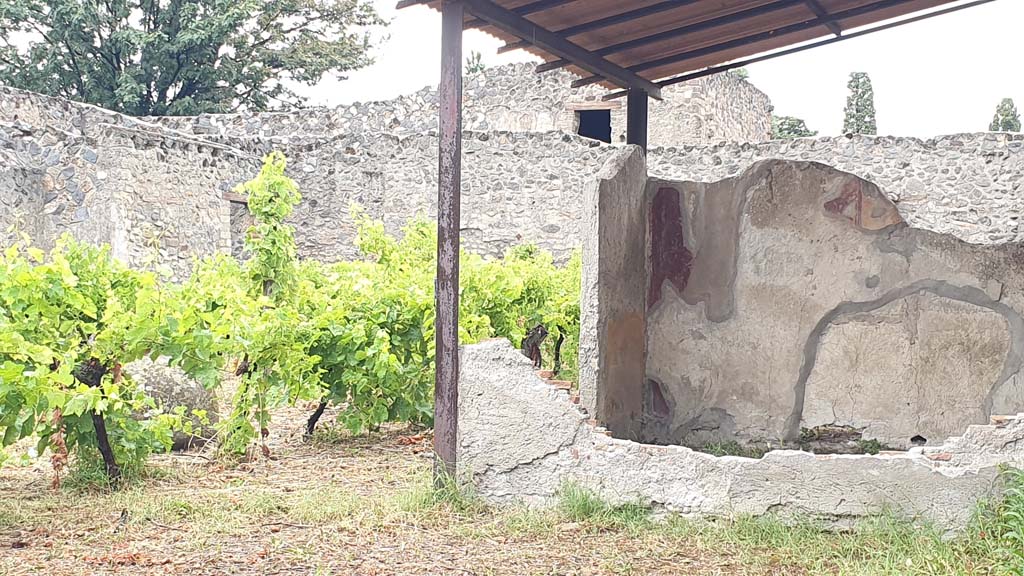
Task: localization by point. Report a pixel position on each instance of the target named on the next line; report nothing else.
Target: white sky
(939, 76)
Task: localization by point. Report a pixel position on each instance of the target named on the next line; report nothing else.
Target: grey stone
(170, 387)
(521, 440)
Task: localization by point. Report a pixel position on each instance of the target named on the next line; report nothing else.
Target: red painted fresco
(849, 203)
(670, 258)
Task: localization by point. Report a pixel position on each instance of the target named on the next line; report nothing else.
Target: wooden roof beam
(525, 10)
(606, 22)
(531, 8)
(546, 40)
(820, 12)
(752, 39)
(733, 18)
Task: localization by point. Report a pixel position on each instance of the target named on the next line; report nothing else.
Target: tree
(789, 127)
(474, 63)
(860, 106)
(740, 73)
(1007, 119)
(181, 57)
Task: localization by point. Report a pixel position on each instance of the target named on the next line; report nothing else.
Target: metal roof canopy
(638, 46)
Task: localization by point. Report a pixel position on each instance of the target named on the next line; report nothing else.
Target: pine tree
(860, 106)
(789, 127)
(1007, 119)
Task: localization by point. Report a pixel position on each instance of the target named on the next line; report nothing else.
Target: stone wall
(516, 188)
(153, 195)
(793, 297)
(513, 98)
(968, 185)
(520, 186)
(50, 185)
(612, 312)
(521, 440)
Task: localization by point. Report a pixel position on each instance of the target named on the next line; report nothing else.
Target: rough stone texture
(968, 185)
(521, 440)
(807, 301)
(612, 320)
(513, 98)
(516, 188)
(103, 176)
(154, 196)
(171, 387)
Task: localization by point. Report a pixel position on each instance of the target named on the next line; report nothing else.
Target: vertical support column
(636, 117)
(446, 284)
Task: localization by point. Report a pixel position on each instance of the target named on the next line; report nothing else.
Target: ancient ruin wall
(516, 188)
(154, 196)
(520, 187)
(513, 98)
(968, 185)
(521, 440)
(794, 296)
(157, 194)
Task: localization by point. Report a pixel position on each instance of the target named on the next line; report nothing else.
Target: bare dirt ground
(337, 505)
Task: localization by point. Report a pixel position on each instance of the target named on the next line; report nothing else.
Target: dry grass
(343, 505)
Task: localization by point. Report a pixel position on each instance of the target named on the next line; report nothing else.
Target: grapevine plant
(357, 334)
(68, 322)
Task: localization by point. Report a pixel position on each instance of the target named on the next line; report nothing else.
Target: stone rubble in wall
(967, 185)
(513, 98)
(382, 154)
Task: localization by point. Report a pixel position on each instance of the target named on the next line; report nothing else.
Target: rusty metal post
(636, 117)
(449, 182)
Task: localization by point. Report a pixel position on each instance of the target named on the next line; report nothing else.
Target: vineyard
(357, 336)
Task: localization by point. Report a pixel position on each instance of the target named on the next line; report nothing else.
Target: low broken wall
(521, 440)
(794, 296)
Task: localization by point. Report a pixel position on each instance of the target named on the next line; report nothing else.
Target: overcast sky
(939, 76)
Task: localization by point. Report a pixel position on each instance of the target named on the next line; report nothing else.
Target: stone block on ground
(171, 387)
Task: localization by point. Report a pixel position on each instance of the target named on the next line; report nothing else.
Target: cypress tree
(860, 106)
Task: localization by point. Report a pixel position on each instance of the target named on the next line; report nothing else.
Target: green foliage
(734, 448)
(376, 333)
(860, 106)
(999, 527)
(741, 73)
(579, 504)
(789, 127)
(1006, 119)
(268, 329)
(871, 446)
(474, 63)
(181, 57)
(61, 311)
(359, 334)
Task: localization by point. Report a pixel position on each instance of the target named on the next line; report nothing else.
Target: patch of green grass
(879, 546)
(578, 504)
(998, 529)
(12, 516)
(733, 448)
(449, 496)
(525, 522)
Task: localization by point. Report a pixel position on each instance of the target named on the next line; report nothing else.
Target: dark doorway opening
(596, 124)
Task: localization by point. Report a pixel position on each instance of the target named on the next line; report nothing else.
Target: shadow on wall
(791, 304)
